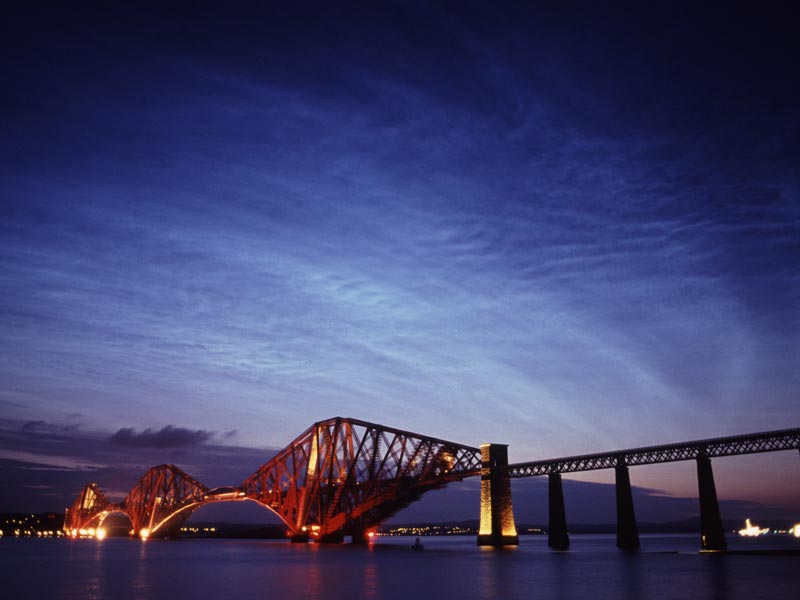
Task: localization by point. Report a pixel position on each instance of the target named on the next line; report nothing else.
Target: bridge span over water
(344, 477)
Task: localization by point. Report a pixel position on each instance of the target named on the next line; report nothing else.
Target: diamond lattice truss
(735, 445)
(340, 476)
(344, 476)
(89, 507)
(162, 500)
(157, 505)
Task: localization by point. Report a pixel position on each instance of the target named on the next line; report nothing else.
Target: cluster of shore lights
(751, 530)
(35, 533)
(98, 533)
(313, 531)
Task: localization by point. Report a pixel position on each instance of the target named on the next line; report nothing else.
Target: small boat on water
(417, 545)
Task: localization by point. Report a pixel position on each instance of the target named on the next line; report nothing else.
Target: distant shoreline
(33, 523)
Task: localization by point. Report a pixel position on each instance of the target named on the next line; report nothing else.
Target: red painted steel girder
(346, 476)
(162, 500)
(340, 475)
(90, 504)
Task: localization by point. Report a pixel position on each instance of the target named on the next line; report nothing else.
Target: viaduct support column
(712, 535)
(627, 531)
(557, 538)
(497, 515)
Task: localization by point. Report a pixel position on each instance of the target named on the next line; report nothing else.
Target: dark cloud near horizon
(167, 437)
(44, 469)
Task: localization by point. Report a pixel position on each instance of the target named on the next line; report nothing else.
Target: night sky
(558, 226)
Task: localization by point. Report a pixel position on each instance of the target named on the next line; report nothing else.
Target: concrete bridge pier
(497, 527)
(557, 538)
(627, 531)
(712, 535)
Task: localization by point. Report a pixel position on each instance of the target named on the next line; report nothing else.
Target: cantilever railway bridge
(340, 477)
(344, 476)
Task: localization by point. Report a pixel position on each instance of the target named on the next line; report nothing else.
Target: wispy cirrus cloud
(591, 230)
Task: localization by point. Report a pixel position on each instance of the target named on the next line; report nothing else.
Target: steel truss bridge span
(340, 477)
(345, 476)
(712, 533)
(770, 441)
(158, 504)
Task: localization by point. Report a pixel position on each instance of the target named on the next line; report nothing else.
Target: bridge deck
(768, 441)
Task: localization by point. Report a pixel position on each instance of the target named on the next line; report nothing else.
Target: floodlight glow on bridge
(345, 477)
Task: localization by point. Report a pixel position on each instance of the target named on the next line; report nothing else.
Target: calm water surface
(666, 567)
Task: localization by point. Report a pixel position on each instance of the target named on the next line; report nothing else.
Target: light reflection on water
(667, 567)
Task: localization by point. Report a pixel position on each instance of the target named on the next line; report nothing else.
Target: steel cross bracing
(341, 475)
(346, 475)
(769, 441)
(163, 499)
(88, 506)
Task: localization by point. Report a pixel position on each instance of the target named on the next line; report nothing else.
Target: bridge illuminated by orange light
(344, 477)
(340, 477)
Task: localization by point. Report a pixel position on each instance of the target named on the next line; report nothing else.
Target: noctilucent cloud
(558, 226)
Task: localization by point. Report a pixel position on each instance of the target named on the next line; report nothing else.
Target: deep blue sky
(553, 225)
